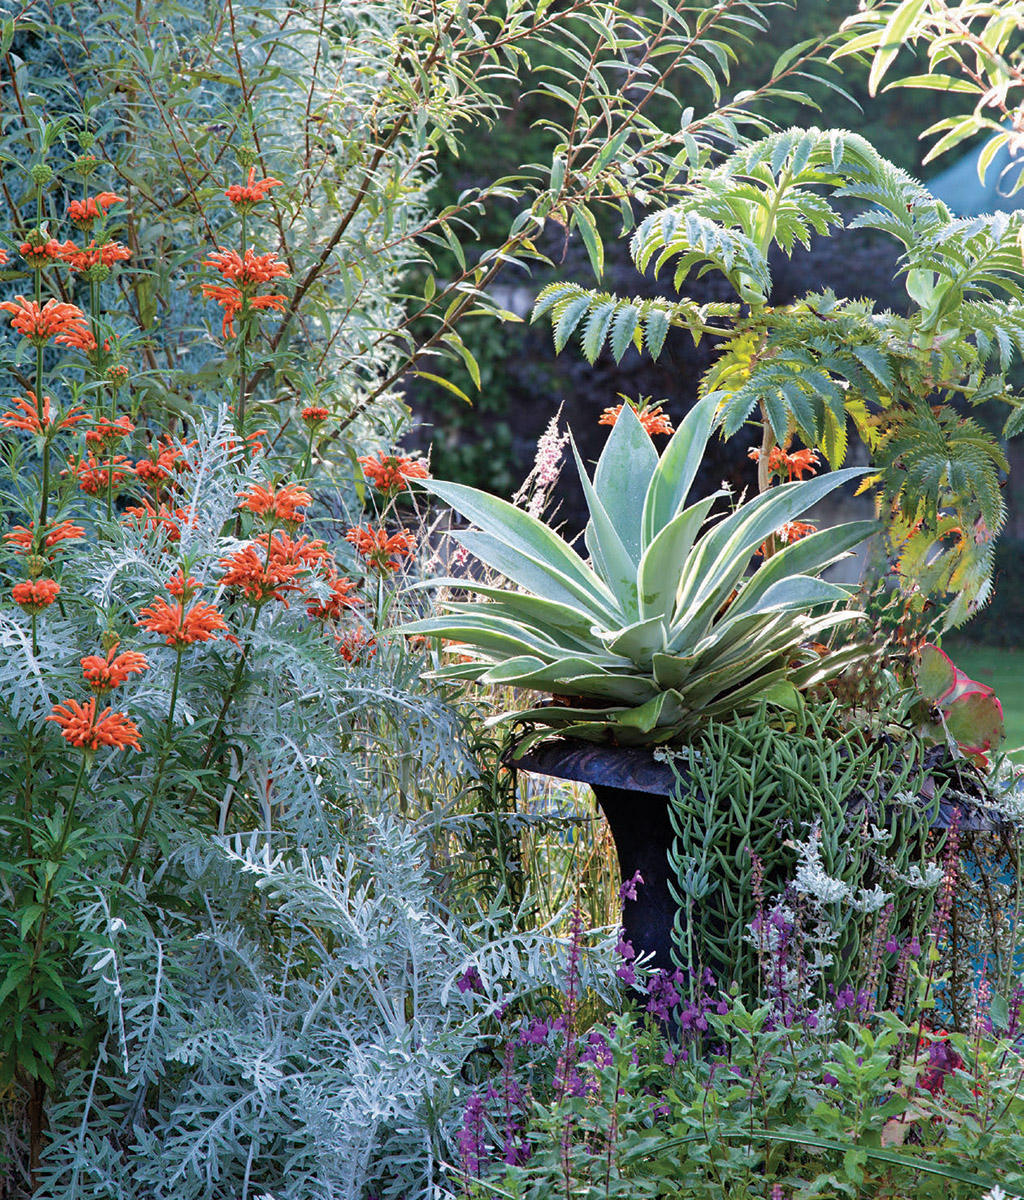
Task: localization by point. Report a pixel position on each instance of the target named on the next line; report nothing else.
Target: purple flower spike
(470, 981)
(628, 889)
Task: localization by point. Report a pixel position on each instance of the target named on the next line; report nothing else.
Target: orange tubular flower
(301, 553)
(381, 551)
(792, 465)
(654, 420)
(230, 299)
(315, 415)
(3, 258)
(249, 271)
(106, 432)
(331, 608)
(92, 255)
(171, 521)
(245, 196)
(390, 472)
(181, 588)
(93, 476)
(28, 416)
(81, 726)
(35, 594)
(356, 645)
(282, 504)
(103, 674)
(23, 539)
(258, 579)
(791, 532)
(41, 252)
(201, 623)
(84, 213)
(65, 323)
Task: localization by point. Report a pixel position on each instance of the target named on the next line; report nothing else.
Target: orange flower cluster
(315, 415)
(94, 477)
(27, 418)
(281, 504)
(84, 213)
(654, 420)
(105, 432)
(166, 459)
(65, 323)
(304, 552)
(181, 588)
(231, 300)
(259, 576)
(103, 674)
(82, 726)
(245, 195)
(106, 254)
(380, 550)
(41, 251)
(340, 598)
(170, 520)
(791, 532)
(25, 540)
(3, 258)
(247, 272)
(792, 465)
(180, 625)
(33, 595)
(356, 645)
(391, 472)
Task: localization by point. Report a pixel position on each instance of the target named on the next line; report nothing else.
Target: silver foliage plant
(304, 1039)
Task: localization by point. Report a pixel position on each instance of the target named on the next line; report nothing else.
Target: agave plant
(666, 625)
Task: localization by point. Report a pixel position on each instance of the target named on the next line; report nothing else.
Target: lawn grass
(1003, 670)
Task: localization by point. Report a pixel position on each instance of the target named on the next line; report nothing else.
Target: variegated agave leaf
(665, 625)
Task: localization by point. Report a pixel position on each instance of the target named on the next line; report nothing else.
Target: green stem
(65, 832)
(45, 488)
(165, 750)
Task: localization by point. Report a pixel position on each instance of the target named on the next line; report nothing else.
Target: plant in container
(664, 628)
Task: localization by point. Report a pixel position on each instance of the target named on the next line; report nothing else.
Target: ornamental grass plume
(82, 726)
(103, 674)
(380, 550)
(245, 196)
(390, 473)
(180, 627)
(27, 417)
(33, 595)
(65, 323)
